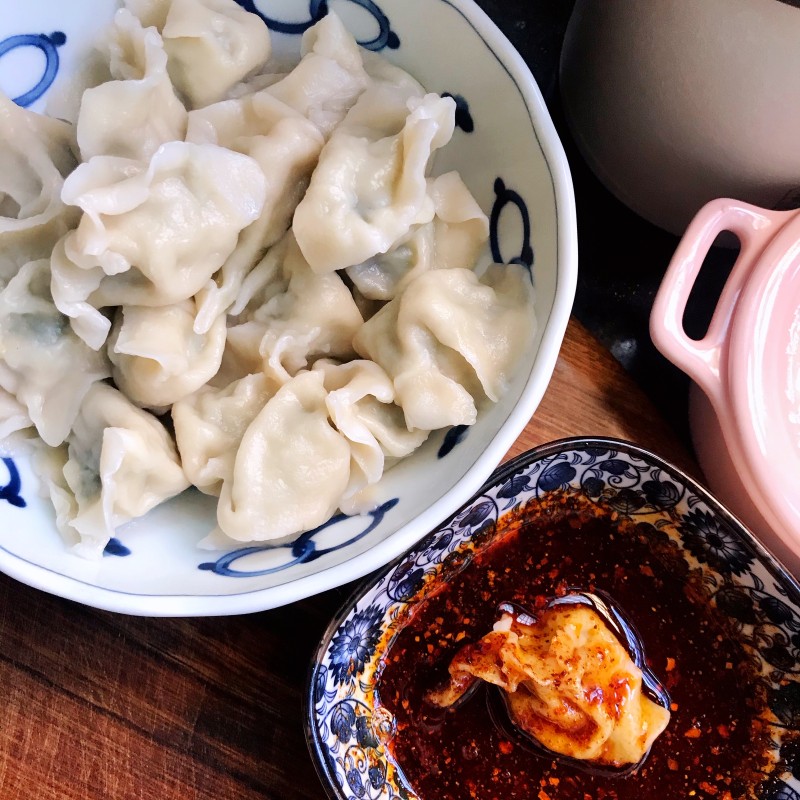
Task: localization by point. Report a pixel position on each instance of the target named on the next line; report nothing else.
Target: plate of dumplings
(279, 287)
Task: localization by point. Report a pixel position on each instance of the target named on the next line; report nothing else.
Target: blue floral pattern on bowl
(344, 726)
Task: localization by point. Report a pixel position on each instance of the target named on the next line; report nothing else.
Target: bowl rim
(251, 601)
(745, 537)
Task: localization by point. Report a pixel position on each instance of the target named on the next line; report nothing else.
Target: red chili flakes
(723, 731)
(505, 747)
(543, 795)
(709, 788)
(673, 764)
(646, 570)
(692, 733)
(670, 664)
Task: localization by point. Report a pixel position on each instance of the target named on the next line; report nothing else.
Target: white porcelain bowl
(508, 153)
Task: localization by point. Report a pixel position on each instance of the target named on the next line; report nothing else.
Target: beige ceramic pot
(676, 102)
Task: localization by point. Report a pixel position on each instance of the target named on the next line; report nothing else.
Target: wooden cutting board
(98, 706)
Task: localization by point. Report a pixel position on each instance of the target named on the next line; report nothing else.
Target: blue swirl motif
(116, 548)
(463, 116)
(48, 44)
(454, 436)
(10, 492)
(317, 9)
(504, 197)
(303, 550)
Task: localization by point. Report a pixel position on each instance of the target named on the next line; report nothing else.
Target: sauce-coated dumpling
(568, 683)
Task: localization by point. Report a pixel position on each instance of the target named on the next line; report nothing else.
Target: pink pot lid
(763, 375)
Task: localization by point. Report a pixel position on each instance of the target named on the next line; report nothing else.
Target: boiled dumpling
(71, 287)
(369, 188)
(449, 339)
(323, 439)
(36, 154)
(266, 280)
(131, 117)
(329, 78)
(13, 415)
(140, 222)
(291, 469)
(454, 238)
(212, 44)
(315, 316)
(461, 229)
(385, 275)
(286, 147)
(48, 463)
(287, 317)
(43, 364)
(209, 426)
(120, 463)
(158, 358)
(242, 355)
(360, 405)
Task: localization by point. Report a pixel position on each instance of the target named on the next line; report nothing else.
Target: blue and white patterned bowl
(509, 155)
(751, 590)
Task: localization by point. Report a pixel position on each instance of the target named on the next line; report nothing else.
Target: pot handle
(700, 359)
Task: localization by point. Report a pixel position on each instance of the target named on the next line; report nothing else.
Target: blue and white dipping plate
(345, 727)
(508, 153)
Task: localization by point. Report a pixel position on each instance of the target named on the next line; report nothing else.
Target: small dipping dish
(718, 617)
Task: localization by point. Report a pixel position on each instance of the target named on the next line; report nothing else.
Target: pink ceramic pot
(745, 406)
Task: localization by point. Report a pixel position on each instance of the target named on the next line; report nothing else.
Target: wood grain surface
(101, 706)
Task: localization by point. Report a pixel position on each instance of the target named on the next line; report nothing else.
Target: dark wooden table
(101, 706)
